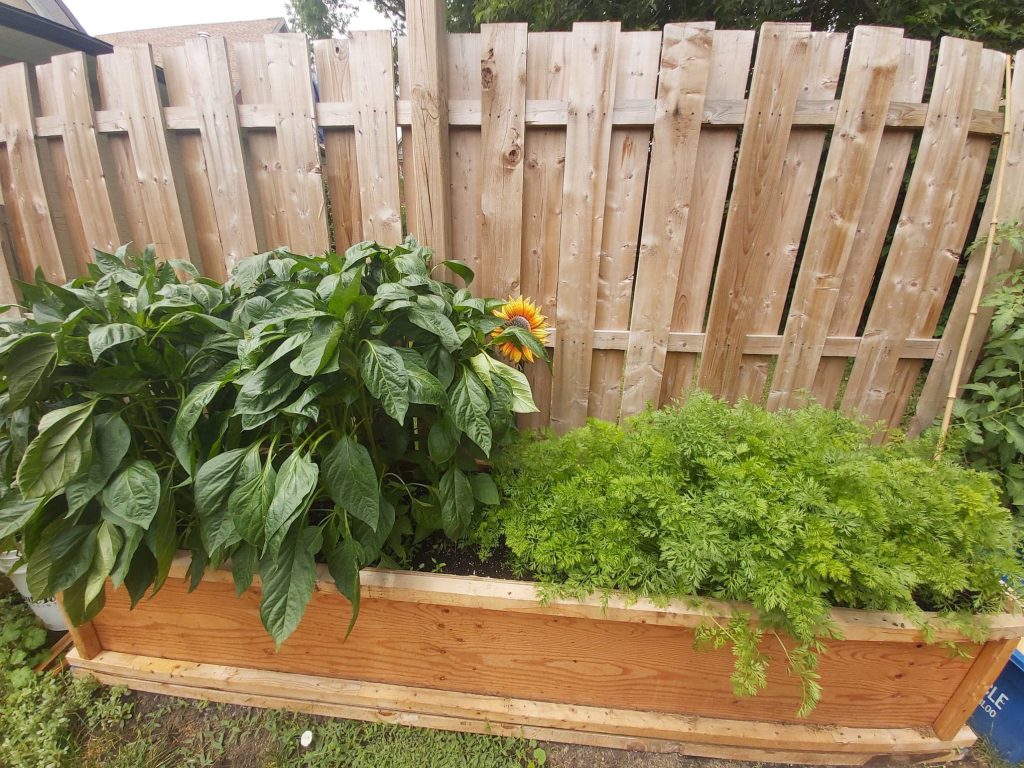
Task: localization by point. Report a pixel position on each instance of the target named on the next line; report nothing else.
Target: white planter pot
(47, 610)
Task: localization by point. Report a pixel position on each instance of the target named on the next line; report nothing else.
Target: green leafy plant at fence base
(794, 512)
(990, 412)
(323, 408)
(42, 716)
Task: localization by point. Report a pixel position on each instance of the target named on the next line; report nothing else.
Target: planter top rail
(687, 213)
(527, 597)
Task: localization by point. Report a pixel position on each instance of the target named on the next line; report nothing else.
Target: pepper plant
(311, 408)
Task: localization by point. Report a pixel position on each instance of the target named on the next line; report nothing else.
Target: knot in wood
(486, 76)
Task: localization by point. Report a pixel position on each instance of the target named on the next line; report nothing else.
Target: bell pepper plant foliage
(327, 408)
(792, 512)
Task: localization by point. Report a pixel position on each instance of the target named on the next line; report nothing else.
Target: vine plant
(310, 408)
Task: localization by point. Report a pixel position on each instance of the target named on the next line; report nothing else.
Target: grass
(190, 734)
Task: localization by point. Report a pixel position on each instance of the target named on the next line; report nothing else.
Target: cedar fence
(688, 214)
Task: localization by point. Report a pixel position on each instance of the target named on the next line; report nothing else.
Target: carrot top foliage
(794, 512)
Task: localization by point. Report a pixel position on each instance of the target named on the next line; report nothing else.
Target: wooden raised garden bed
(485, 655)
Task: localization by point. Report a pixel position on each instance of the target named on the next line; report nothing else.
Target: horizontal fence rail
(779, 226)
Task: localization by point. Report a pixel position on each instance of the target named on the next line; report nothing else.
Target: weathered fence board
(211, 93)
(373, 78)
(636, 76)
(587, 138)
(682, 85)
(870, 77)
(716, 151)
(594, 171)
(903, 290)
(546, 78)
(936, 388)
(502, 130)
(69, 78)
(783, 59)
(24, 194)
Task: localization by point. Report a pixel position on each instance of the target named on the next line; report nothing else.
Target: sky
(102, 16)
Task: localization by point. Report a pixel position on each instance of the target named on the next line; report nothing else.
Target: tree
(997, 23)
(320, 19)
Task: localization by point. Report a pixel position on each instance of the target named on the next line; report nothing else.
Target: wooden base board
(594, 726)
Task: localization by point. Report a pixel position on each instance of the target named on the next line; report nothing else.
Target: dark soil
(439, 554)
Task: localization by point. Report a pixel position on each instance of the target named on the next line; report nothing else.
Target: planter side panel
(550, 658)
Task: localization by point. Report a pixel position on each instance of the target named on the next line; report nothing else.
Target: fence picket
(127, 191)
(870, 76)
(546, 79)
(69, 75)
(465, 170)
(291, 91)
(883, 191)
(799, 172)
(502, 130)
(213, 96)
(340, 163)
(20, 174)
(783, 58)
(951, 236)
(53, 164)
(373, 84)
(930, 193)
(682, 85)
(588, 133)
(428, 72)
(144, 115)
(262, 150)
(193, 164)
(716, 151)
(636, 78)
(529, 156)
(1004, 258)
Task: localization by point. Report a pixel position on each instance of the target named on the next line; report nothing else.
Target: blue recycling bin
(1000, 716)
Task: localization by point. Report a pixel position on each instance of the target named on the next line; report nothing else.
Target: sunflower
(520, 313)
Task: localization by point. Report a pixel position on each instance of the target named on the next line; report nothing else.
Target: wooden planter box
(485, 655)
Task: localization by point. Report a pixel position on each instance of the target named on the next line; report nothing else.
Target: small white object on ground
(306, 739)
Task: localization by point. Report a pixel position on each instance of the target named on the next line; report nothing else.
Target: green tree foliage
(320, 19)
(793, 512)
(999, 24)
(329, 407)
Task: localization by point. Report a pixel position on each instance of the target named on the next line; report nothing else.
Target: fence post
(428, 57)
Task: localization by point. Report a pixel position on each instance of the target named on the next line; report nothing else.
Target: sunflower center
(521, 322)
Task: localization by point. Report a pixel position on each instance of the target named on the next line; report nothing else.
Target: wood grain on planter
(457, 636)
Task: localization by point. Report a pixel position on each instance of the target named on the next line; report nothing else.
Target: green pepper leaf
(134, 494)
(288, 578)
(469, 410)
(386, 378)
(484, 489)
(62, 447)
(249, 503)
(214, 482)
(104, 337)
(457, 502)
(437, 324)
(29, 362)
(293, 491)
(351, 479)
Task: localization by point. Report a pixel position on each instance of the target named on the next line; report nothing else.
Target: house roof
(32, 38)
(249, 31)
